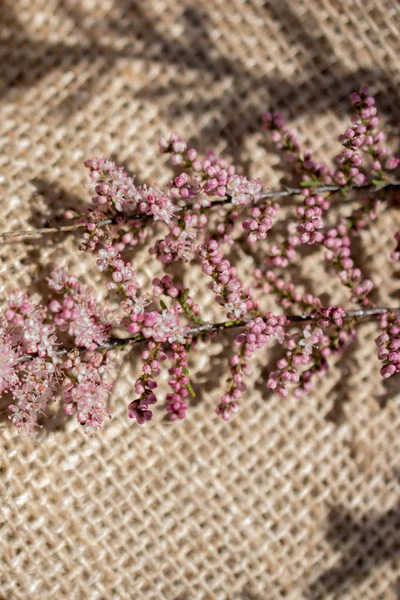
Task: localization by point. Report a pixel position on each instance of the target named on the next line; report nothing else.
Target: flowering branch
(67, 347)
(361, 313)
(287, 192)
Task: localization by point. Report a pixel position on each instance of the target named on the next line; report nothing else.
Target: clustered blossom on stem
(23, 331)
(124, 280)
(32, 368)
(165, 326)
(209, 176)
(257, 333)
(115, 197)
(179, 382)
(363, 138)
(288, 142)
(78, 313)
(299, 353)
(242, 190)
(287, 295)
(350, 159)
(115, 191)
(310, 213)
(360, 138)
(337, 242)
(146, 384)
(310, 348)
(261, 221)
(179, 243)
(69, 347)
(310, 216)
(159, 327)
(86, 387)
(228, 289)
(371, 137)
(389, 344)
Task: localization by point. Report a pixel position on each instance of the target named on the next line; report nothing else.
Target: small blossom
(242, 190)
(85, 389)
(229, 291)
(257, 333)
(389, 344)
(179, 382)
(164, 326)
(78, 313)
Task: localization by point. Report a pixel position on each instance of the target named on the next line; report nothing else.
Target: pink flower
(8, 358)
(179, 382)
(85, 390)
(164, 326)
(243, 190)
(79, 313)
(389, 344)
(33, 395)
(229, 291)
(105, 257)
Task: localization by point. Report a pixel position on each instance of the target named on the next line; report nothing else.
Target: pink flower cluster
(333, 315)
(23, 331)
(299, 353)
(337, 242)
(115, 190)
(350, 159)
(287, 295)
(180, 242)
(287, 142)
(389, 344)
(179, 382)
(225, 285)
(211, 176)
(362, 137)
(33, 369)
(310, 213)
(78, 313)
(111, 186)
(257, 333)
(117, 198)
(310, 348)
(262, 220)
(69, 347)
(86, 387)
(242, 190)
(208, 176)
(146, 384)
(310, 216)
(164, 326)
(124, 281)
(372, 140)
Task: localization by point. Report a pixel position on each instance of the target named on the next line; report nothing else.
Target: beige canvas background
(295, 499)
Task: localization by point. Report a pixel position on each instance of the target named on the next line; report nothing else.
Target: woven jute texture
(295, 499)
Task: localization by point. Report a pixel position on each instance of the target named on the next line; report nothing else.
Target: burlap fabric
(295, 498)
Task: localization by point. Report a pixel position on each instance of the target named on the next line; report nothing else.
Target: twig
(392, 185)
(44, 230)
(233, 324)
(217, 327)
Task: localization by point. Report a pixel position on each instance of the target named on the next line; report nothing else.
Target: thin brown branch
(234, 324)
(222, 326)
(393, 185)
(45, 230)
